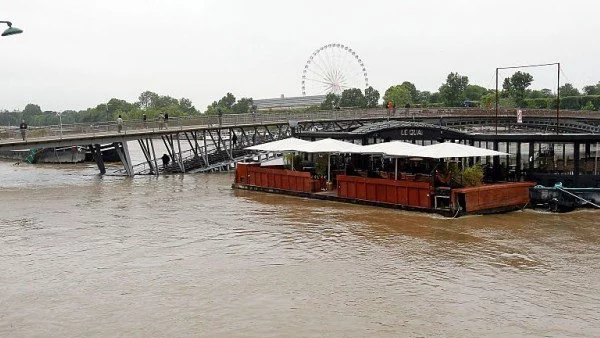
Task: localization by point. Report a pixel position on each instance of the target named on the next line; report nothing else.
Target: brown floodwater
(185, 255)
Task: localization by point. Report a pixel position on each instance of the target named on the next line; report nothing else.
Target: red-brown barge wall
(409, 193)
(493, 196)
(254, 174)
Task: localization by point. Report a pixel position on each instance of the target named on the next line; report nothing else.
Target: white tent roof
(275, 161)
(449, 149)
(393, 149)
(287, 144)
(329, 145)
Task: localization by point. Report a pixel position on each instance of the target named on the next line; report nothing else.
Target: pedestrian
(119, 124)
(23, 128)
(161, 121)
(407, 109)
(220, 114)
(390, 107)
(166, 120)
(165, 160)
(144, 119)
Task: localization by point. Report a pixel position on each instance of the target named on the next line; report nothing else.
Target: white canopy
(287, 144)
(275, 161)
(449, 149)
(329, 145)
(392, 149)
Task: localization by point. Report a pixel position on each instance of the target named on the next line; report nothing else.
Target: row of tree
(455, 92)
(148, 103)
(515, 92)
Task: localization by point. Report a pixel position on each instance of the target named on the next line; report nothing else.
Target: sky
(76, 54)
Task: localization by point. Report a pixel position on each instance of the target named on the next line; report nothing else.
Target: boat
(416, 190)
(72, 154)
(562, 199)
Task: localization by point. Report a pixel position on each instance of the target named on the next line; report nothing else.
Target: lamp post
(60, 122)
(11, 30)
(557, 64)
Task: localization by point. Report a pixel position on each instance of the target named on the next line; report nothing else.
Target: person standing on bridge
(220, 114)
(144, 119)
(161, 121)
(390, 107)
(23, 128)
(119, 124)
(166, 120)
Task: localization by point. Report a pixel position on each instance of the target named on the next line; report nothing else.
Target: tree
(568, 90)
(331, 101)
(352, 97)
(186, 106)
(475, 92)
(31, 110)
(537, 94)
(592, 89)
(242, 106)
(227, 101)
(371, 97)
(435, 98)
(164, 101)
(515, 87)
(414, 93)
(146, 99)
(115, 105)
(453, 91)
(399, 96)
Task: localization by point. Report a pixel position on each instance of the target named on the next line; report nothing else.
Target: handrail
(232, 120)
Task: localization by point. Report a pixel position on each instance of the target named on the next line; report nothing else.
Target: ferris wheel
(333, 68)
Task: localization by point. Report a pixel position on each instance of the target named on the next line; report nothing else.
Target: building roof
(290, 102)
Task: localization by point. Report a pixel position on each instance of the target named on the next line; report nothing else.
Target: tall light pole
(11, 30)
(529, 66)
(60, 121)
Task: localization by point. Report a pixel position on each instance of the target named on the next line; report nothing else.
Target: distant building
(289, 102)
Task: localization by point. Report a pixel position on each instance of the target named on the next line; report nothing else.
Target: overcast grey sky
(75, 54)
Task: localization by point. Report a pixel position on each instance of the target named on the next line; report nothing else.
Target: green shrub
(472, 176)
(321, 164)
(589, 106)
(291, 157)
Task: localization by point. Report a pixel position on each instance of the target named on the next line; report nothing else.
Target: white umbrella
(394, 149)
(287, 144)
(330, 146)
(449, 149)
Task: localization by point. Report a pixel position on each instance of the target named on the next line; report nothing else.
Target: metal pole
(596, 161)
(496, 101)
(557, 96)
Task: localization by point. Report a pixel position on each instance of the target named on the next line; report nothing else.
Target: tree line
(456, 91)
(149, 103)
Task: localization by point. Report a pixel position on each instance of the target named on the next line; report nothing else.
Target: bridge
(210, 143)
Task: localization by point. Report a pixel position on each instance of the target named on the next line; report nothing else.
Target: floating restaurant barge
(409, 192)
(530, 162)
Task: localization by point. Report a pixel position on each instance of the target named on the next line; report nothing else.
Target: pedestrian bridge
(213, 143)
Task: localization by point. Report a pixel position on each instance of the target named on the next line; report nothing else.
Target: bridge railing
(228, 120)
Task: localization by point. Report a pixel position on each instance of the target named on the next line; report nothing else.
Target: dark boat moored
(561, 199)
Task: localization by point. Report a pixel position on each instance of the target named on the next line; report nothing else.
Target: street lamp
(557, 89)
(60, 121)
(11, 30)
